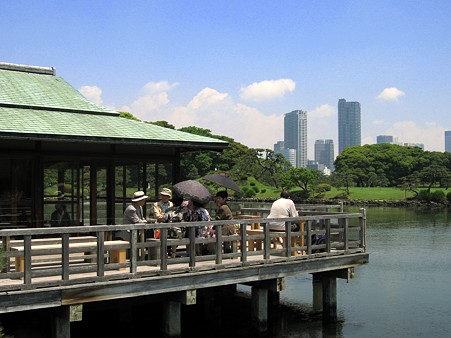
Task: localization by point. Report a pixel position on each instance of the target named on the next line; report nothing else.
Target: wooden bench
(117, 250)
(257, 244)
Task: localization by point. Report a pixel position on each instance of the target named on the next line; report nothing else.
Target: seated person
(60, 217)
(282, 208)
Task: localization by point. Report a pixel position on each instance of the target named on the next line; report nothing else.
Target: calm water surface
(405, 290)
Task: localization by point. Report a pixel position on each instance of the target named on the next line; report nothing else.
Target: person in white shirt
(282, 208)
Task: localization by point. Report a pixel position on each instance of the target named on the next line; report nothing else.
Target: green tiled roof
(42, 105)
(41, 90)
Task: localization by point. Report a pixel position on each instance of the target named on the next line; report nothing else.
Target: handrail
(344, 232)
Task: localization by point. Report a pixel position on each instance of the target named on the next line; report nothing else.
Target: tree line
(376, 165)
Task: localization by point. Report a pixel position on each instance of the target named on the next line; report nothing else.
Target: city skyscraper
(289, 154)
(349, 126)
(324, 153)
(295, 135)
(384, 139)
(448, 141)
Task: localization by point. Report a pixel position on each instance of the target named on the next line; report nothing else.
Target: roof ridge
(68, 110)
(27, 68)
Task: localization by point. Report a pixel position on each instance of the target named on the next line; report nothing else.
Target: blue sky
(236, 67)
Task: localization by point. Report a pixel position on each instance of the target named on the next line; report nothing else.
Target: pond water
(404, 291)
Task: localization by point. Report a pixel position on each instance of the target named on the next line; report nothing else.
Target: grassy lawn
(373, 193)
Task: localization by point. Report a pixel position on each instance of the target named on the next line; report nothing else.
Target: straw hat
(166, 191)
(138, 196)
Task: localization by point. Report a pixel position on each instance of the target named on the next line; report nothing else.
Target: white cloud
(207, 97)
(213, 110)
(155, 95)
(267, 90)
(378, 122)
(321, 124)
(325, 110)
(391, 94)
(411, 132)
(92, 93)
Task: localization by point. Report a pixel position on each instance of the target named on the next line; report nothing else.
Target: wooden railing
(54, 256)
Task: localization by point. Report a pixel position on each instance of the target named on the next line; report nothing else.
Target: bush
(324, 187)
(299, 196)
(424, 196)
(448, 196)
(249, 193)
(255, 189)
(438, 196)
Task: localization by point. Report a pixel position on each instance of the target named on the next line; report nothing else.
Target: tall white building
(295, 135)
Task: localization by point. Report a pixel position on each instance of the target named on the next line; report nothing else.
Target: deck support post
(329, 299)
(60, 322)
(317, 294)
(172, 325)
(259, 311)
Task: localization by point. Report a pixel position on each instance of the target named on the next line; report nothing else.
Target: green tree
(303, 178)
(127, 115)
(164, 124)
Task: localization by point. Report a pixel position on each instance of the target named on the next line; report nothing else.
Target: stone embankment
(364, 203)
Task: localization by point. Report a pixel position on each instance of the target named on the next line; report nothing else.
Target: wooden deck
(81, 281)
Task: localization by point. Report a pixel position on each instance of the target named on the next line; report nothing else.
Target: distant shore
(365, 203)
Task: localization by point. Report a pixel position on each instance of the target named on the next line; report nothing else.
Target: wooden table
(253, 225)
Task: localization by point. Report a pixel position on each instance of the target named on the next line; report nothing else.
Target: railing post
(100, 254)
(327, 224)
(164, 249)
(65, 256)
(27, 259)
(309, 237)
(192, 246)
(219, 244)
(267, 240)
(133, 250)
(243, 242)
(362, 232)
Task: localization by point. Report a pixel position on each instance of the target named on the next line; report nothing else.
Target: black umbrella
(195, 190)
(222, 180)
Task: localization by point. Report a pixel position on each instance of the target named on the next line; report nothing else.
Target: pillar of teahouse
(259, 311)
(329, 299)
(60, 322)
(172, 325)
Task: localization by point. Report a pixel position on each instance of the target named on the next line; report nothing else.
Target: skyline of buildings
(394, 140)
(294, 146)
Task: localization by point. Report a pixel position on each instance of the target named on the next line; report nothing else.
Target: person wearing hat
(160, 207)
(134, 213)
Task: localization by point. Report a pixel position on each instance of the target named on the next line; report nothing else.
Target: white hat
(138, 196)
(166, 191)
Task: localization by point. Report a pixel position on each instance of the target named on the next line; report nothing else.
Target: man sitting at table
(133, 214)
(282, 208)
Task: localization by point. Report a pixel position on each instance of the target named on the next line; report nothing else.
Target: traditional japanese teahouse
(57, 147)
